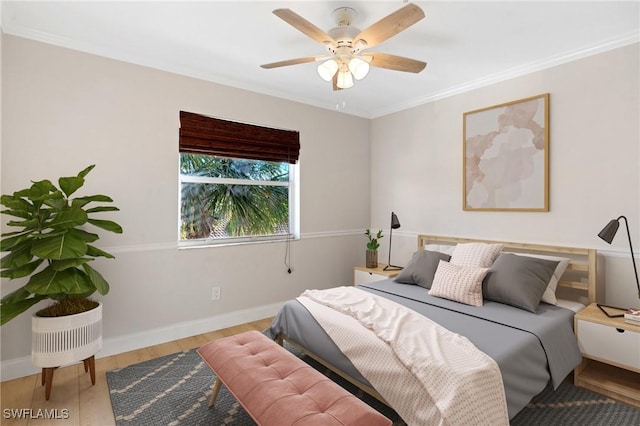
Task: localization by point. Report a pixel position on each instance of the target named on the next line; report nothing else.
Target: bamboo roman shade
(200, 134)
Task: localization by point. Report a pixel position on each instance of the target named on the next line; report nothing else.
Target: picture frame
(506, 156)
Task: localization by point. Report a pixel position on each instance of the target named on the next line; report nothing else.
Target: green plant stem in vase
(372, 248)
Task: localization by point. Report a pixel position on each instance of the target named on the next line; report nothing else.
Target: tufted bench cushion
(277, 388)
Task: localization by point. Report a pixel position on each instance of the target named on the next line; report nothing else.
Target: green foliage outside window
(225, 199)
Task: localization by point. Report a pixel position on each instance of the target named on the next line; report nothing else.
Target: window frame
(293, 200)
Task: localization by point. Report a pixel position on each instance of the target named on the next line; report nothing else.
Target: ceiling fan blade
(292, 62)
(306, 27)
(390, 25)
(392, 62)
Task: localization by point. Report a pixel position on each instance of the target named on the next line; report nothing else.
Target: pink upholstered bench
(277, 388)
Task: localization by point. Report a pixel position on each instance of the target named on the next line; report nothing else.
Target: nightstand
(611, 355)
(363, 275)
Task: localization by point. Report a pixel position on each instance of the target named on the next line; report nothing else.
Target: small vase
(372, 258)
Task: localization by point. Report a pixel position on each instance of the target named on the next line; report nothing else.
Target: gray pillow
(421, 268)
(518, 281)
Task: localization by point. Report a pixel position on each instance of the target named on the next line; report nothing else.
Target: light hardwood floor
(72, 391)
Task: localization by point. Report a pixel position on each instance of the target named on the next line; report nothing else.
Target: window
(236, 181)
(223, 198)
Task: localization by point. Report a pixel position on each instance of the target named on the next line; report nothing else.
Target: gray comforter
(530, 349)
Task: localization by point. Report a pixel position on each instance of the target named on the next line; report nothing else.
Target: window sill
(207, 243)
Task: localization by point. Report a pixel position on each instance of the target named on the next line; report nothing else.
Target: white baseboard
(21, 367)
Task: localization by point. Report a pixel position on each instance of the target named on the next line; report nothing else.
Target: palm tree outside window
(229, 198)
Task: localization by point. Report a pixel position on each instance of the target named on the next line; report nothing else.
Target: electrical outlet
(215, 293)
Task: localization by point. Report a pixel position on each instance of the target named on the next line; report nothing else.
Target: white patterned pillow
(460, 283)
(480, 255)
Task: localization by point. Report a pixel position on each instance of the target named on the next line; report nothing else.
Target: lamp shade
(345, 80)
(609, 231)
(358, 68)
(327, 69)
(395, 223)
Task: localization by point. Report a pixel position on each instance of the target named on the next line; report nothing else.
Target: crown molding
(167, 66)
(546, 63)
(105, 51)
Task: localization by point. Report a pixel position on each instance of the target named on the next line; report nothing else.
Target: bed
(532, 343)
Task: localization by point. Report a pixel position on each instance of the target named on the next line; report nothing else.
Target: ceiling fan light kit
(347, 70)
(345, 45)
(327, 69)
(345, 80)
(358, 68)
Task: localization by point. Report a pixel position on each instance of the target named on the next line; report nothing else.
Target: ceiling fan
(346, 45)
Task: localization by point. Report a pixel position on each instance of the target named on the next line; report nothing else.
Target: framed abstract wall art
(506, 156)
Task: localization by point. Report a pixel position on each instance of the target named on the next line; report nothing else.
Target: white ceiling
(465, 44)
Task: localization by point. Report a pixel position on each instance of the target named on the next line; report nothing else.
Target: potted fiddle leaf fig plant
(52, 247)
(52, 250)
(372, 248)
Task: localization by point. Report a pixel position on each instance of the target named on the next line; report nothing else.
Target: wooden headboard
(580, 275)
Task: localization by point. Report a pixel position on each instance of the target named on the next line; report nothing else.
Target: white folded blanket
(428, 374)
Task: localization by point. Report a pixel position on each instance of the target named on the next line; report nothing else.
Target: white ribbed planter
(65, 340)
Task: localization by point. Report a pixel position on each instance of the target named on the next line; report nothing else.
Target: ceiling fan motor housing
(344, 34)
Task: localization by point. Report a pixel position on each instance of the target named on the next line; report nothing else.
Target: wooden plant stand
(47, 374)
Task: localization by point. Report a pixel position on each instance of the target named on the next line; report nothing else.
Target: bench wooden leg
(215, 391)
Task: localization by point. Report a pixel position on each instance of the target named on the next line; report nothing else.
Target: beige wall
(64, 110)
(416, 165)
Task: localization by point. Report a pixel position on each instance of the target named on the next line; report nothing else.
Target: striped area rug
(175, 390)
